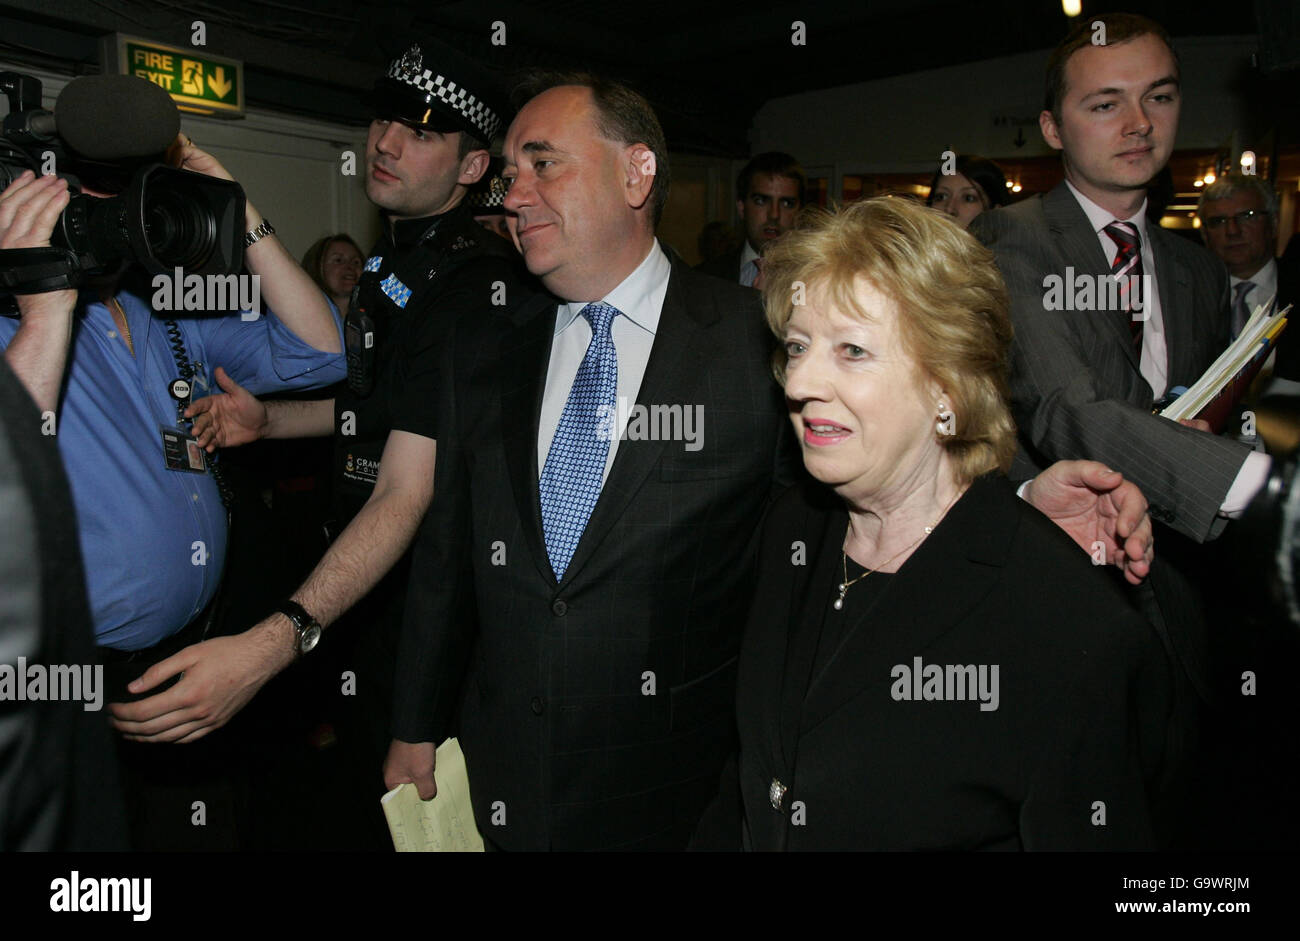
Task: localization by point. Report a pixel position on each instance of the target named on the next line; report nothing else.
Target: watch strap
(302, 621)
(260, 231)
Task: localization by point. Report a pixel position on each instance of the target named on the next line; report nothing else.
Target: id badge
(181, 452)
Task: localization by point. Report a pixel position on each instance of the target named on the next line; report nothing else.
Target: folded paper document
(1225, 383)
(442, 825)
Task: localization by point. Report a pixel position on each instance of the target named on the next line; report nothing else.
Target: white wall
(289, 168)
(903, 124)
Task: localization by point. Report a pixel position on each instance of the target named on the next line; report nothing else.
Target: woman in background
(334, 263)
(977, 186)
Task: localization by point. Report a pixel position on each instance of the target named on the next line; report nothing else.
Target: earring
(944, 425)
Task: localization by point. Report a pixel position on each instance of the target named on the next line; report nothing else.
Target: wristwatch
(306, 627)
(258, 232)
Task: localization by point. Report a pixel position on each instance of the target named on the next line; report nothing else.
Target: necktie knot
(1124, 235)
(600, 315)
(1240, 310)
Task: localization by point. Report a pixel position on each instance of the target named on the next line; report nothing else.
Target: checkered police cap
(454, 96)
(488, 195)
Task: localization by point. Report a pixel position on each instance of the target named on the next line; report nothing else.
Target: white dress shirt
(639, 300)
(1265, 289)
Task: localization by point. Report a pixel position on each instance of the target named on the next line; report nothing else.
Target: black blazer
(726, 267)
(1077, 391)
(1288, 292)
(597, 710)
(1082, 705)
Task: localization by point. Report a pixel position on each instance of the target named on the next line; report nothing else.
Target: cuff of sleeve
(1252, 476)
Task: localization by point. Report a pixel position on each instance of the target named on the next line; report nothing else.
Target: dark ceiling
(706, 67)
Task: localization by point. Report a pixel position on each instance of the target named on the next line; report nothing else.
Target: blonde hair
(952, 308)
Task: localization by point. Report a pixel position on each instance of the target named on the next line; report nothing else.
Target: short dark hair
(773, 162)
(622, 115)
(1119, 28)
(468, 142)
(981, 171)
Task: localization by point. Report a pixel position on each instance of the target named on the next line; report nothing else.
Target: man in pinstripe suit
(1084, 381)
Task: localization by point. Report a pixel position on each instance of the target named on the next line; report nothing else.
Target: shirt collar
(634, 297)
(1099, 218)
(1265, 279)
(747, 254)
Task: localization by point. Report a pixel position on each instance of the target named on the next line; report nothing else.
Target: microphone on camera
(115, 117)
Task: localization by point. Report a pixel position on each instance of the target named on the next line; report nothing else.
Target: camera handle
(38, 270)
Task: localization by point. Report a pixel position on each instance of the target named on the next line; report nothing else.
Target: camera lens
(180, 233)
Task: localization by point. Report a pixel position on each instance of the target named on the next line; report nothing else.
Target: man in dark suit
(769, 195)
(585, 569)
(598, 705)
(1238, 214)
(1085, 374)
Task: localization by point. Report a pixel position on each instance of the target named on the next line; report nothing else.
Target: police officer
(434, 115)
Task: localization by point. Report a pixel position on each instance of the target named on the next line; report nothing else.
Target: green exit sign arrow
(197, 81)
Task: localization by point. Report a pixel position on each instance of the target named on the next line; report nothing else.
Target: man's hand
(413, 763)
(29, 209)
(228, 419)
(1198, 424)
(218, 677)
(1095, 504)
(200, 161)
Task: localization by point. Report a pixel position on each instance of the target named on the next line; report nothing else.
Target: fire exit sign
(197, 81)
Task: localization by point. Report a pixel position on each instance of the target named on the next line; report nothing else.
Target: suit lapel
(814, 584)
(1077, 242)
(525, 355)
(676, 369)
(1175, 286)
(944, 580)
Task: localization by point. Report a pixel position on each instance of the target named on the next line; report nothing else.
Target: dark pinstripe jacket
(726, 267)
(598, 711)
(1077, 390)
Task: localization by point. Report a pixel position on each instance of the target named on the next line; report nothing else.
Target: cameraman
(432, 266)
(151, 521)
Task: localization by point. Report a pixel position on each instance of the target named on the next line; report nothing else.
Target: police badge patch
(411, 66)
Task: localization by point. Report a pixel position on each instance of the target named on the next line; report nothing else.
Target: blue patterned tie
(575, 464)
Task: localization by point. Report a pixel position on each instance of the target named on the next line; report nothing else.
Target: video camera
(113, 128)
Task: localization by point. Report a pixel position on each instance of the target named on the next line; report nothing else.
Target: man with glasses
(1239, 222)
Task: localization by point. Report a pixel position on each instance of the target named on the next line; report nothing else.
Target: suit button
(559, 608)
(537, 706)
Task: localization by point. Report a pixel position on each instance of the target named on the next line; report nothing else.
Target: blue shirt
(153, 539)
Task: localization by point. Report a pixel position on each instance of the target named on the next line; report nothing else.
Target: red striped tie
(1127, 269)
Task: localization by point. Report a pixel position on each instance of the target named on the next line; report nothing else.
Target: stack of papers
(1225, 383)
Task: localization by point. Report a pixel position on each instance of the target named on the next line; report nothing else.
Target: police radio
(359, 334)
